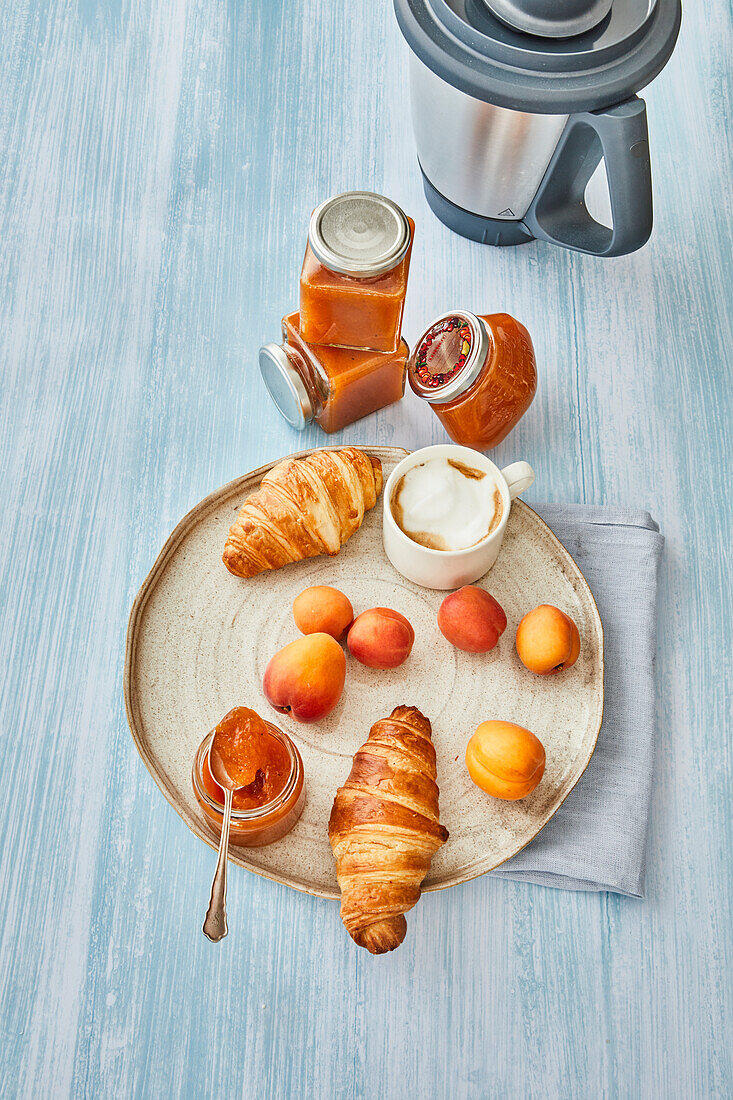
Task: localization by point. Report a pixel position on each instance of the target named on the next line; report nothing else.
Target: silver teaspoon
(215, 924)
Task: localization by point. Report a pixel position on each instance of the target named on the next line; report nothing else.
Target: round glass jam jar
(477, 372)
(257, 825)
(354, 276)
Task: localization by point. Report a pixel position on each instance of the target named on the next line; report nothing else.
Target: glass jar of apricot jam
(332, 385)
(477, 372)
(266, 810)
(354, 276)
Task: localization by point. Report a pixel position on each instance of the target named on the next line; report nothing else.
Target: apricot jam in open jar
(477, 372)
(354, 276)
(334, 386)
(265, 810)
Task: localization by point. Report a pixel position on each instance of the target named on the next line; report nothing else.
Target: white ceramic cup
(450, 568)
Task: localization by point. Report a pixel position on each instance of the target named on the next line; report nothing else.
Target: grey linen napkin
(597, 839)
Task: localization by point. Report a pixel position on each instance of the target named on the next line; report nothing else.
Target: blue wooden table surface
(158, 162)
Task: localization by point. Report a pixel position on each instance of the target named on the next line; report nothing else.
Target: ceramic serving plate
(199, 640)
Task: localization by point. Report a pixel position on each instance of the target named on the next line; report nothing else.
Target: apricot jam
(267, 807)
(332, 385)
(478, 373)
(354, 276)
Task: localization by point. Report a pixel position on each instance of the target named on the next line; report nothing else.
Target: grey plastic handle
(558, 213)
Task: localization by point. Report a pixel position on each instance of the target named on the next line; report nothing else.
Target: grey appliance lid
(548, 18)
(359, 233)
(467, 45)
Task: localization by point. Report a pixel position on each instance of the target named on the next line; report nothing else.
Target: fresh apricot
(505, 760)
(323, 610)
(547, 640)
(305, 679)
(471, 619)
(380, 638)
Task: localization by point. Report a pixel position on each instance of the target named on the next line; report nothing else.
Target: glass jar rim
(257, 812)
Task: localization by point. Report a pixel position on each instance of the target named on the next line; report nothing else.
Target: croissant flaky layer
(384, 829)
(303, 507)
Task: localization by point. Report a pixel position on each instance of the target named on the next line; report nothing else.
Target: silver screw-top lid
(285, 386)
(548, 18)
(448, 357)
(359, 233)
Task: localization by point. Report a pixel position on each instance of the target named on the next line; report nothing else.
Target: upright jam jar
(354, 276)
(253, 825)
(477, 372)
(332, 385)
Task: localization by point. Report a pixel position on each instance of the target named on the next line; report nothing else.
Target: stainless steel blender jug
(515, 103)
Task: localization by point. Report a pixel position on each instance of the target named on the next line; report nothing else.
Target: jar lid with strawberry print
(449, 356)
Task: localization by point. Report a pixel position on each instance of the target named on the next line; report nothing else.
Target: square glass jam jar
(260, 825)
(334, 386)
(354, 276)
(477, 372)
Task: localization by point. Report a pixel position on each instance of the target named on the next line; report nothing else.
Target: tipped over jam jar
(354, 276)
(267, 809)
(334, 386)
(477, 372)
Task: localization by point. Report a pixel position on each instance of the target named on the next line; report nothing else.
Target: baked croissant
(384, 829)
(303, 507)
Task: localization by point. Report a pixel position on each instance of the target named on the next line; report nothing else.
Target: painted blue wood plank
(159, 164)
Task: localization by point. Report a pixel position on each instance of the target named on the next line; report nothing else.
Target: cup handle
(519, 476)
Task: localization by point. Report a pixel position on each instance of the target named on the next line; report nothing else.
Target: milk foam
(446, 505)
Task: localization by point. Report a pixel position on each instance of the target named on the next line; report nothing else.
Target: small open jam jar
(354, 277)
(478, 373)
(253, 824)
(334, 386)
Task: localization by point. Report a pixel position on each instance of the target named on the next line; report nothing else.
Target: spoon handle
(215, 925)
